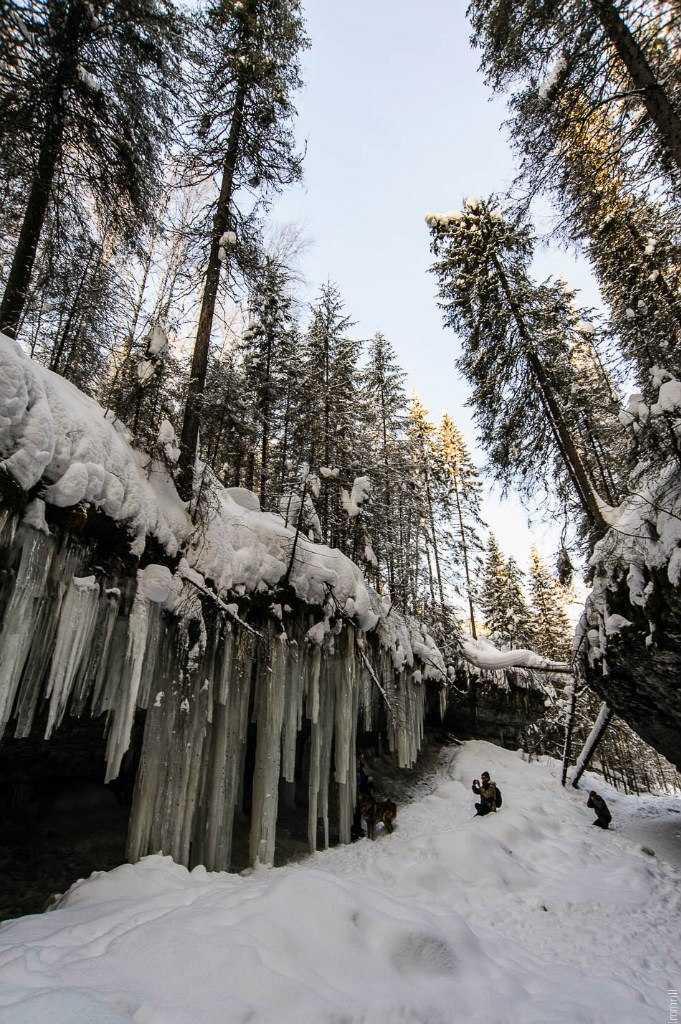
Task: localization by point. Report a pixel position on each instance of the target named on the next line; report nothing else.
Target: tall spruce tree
(422, 437)
(247, 66)
(464, 498)
(384, 408)
(493, 593)
(593, 53)
(85, 101)
(266, 355)
(327, 428)
(513, 334)
(551, 631)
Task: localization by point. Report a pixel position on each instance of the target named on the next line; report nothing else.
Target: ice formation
(245, 624)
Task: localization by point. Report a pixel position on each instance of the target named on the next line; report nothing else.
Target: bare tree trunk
(576, 469)
(58, 350)
(21, 270)
(605, 717)
(265, 417)
(464, 550)
(197, 383)
(569, 728)
(653, 95)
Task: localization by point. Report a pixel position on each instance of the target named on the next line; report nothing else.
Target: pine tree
(464, 494)
(424, 453)
(631, 242)
(493, 593)
(384, 418)
(551, 631)
(86, 104)
(613, 53)
(326, 432)
(266, 354)
(514, 333)
(247, 63)
(519, 617)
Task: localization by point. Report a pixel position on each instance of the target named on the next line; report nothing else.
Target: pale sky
(398, 122)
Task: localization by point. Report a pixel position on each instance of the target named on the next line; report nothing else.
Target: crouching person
(487, 791)
(598, 804)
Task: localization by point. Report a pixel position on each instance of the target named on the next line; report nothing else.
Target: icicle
(344, 682)
(143, 829)
(228, 735)
(124, 711)
(18, 633)
(289, 734)
(74, 634)
(152, 652)
(271, 696)
(92, 671)
(314, 784)
(326, 716)
(313, 684)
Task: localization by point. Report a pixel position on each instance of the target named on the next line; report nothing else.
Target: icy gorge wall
(79, 640)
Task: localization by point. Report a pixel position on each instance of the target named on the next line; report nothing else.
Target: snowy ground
(531, 916)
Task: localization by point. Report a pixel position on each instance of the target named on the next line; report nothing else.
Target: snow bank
(528, 916)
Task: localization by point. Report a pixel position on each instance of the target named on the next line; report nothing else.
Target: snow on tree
(551, 631)
(503, 602)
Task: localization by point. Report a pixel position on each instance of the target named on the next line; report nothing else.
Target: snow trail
(530, 916)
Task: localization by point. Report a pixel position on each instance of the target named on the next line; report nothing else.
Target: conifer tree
(266, 354)
(551, 632)
(493, 593)
(85, 97)
(424, 451)
(518, 612)
(614, 53)
(513, 332)
(631, 242)
(247, 63)
(384, 415)
(464, 494)
(326, 432)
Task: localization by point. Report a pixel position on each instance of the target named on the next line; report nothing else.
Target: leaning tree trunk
(199, 368)
(23, 261)
(653, 95)
(569, 729)
(605, 717)
(577, 471)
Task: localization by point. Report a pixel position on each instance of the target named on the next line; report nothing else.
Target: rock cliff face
(500, 714)
(636, 668)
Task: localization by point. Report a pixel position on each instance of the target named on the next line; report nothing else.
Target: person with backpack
(489, 793)
(598, 804)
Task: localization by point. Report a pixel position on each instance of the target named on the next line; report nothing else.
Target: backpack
(499, 801)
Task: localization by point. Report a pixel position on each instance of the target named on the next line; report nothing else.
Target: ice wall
(76, 639)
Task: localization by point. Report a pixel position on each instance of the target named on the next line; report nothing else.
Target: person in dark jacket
(598, 804)
(487, 791)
